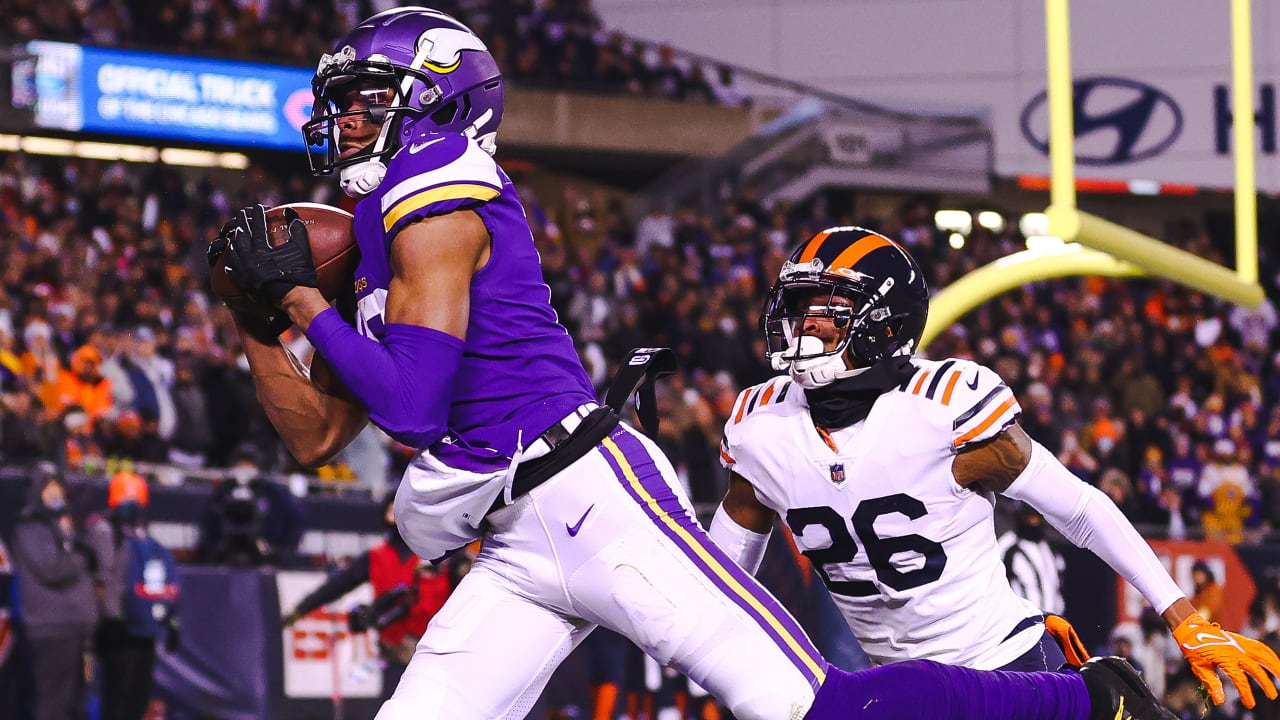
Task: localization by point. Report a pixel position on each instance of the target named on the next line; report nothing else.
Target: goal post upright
(1117, 251)
(1242, 127)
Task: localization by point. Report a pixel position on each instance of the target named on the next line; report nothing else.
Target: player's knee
(753, 680)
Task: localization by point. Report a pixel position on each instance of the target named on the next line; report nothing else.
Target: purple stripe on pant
(670, 509)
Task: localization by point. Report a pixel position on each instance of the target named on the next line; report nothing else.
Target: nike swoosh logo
(1210, 640)
(574, 528)
(416, 148)
(973, 385)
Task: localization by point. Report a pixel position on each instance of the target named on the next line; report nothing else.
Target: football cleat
(1117, 692)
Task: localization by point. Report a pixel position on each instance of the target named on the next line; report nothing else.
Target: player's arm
(742, 524)
(337, 585)
(406, 379)
(314, 415)
(1013, 464)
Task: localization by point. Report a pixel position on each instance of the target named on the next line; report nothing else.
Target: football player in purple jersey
(456, 351)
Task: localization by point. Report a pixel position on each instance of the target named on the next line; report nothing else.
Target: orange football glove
(1209, 648)
(1068, 640)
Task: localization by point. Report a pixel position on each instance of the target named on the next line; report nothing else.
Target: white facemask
(813, 372)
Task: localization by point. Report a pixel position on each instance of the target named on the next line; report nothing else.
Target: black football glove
(266, 273)
(265, 329)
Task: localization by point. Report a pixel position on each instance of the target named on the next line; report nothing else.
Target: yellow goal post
(1094, 246)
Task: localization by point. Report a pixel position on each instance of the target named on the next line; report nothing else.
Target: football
(333, 251)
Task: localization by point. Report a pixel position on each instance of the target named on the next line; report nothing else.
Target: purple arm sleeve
(406, 380)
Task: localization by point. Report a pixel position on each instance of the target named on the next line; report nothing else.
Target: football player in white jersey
(886, 468)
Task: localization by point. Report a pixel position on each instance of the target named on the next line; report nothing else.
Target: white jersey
(909, 556)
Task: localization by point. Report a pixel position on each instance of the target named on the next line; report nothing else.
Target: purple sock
(924, 689)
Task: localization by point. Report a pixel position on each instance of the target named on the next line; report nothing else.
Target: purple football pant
(923, 689)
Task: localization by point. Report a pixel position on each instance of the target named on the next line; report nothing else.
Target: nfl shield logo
(837, 473)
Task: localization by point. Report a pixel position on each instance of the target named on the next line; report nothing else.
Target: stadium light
(1144, 187)
(47, 146)
(956, 240)
(115, 151)
(1033, 223)
(954, 220)
(233, 161)
(37, 145)
(1045, 243)
(991, 220)
(193, 158)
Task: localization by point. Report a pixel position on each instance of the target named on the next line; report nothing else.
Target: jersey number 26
(880, 551)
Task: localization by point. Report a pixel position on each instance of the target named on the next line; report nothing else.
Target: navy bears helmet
(868, 286)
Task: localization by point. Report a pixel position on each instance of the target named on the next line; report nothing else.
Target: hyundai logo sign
(1117, 121)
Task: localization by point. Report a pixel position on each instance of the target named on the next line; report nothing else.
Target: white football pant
(610, 541)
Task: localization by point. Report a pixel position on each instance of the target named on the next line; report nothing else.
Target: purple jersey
(520, 372)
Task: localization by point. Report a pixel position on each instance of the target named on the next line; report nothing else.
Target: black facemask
(848, 401)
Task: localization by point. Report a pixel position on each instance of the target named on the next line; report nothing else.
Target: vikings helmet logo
(442, 48)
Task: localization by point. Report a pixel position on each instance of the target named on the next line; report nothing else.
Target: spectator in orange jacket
(83, 384)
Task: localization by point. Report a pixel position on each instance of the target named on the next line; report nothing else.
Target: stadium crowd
(537, 43)
(112, 350)
(110, 345)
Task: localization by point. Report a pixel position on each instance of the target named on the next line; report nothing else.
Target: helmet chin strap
(813, 372)
(360, 179)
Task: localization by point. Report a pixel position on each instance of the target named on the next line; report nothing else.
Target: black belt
(566, 448)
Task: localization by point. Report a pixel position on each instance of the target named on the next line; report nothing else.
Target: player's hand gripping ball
(261, 254)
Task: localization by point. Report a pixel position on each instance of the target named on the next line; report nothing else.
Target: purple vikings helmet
(420, 71)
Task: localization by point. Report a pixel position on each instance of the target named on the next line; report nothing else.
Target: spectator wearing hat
(83, 385)
(40, 363)
(152, 376)
(54, 570)
(75, 440)
(1227, 493)
(1125, 639)
(127, 658)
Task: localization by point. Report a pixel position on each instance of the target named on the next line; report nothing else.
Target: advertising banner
(1152, 81)
(168, 97)
(322, 658)
(1179, 556)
